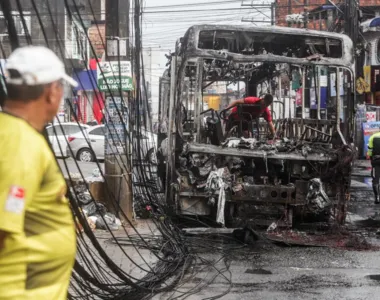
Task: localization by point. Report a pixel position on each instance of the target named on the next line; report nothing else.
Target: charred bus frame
(191, 151)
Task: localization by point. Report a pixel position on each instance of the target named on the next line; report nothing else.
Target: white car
(81, 150)
(59, 133)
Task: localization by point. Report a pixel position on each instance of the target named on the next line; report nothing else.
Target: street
(272, 272)
(277, 273)
(72, 166)
(265, 270)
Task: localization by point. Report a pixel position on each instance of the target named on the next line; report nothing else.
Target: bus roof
(243, 43)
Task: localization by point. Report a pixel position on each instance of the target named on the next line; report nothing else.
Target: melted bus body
(209, 170)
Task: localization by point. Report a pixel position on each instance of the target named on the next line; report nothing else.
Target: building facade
(65, 30)
(363, 29)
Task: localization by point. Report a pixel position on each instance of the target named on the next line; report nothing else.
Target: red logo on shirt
(17, 192)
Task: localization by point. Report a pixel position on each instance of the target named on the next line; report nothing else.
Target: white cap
(37, 66)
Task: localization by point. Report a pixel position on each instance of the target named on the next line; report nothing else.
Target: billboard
(117, 123)
(113, 75)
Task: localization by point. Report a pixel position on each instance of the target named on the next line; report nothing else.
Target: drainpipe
(338, 106)
(303, 91)
(102, 10)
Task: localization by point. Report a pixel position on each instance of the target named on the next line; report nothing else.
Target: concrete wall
(288, 7)
(50, 24)
(373, 39)
(97, 35)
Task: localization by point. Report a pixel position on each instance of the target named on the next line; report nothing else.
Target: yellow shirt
(40, 245)
(370, 143)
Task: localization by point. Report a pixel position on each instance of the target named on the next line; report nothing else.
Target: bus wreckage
(236, 179)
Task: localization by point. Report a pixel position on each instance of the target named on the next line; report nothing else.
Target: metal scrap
(217, 183)
(201, 164)
(231, 143)
(305, 150)
(317, 199)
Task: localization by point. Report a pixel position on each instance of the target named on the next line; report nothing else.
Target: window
(54, 130)
(98, 131)
(79, 42)
(67, 129)
(18, 23)
(71, 129)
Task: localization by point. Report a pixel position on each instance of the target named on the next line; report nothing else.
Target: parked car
(59, 133)
(80, 148)
(96, 136)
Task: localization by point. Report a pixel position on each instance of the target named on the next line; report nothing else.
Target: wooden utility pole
(118, 166)
(351, 28)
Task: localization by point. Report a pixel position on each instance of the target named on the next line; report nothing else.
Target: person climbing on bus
(373, 154)
(254, 111)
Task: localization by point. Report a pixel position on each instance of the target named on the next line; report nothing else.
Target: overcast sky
(165, 21)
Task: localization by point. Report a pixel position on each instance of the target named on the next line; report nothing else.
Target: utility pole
(269, 19)
(351, 28)
(118, 167)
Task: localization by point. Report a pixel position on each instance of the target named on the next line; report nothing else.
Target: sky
(164, 21)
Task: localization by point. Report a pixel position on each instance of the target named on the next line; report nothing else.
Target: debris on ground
(246, 235)
(108, 221)
(96, 212)
(96, 176)
(94, 208)
(258, 272)
(75, 176)
(357, 242)
(342, 240)
(272, 227)
(374, 277)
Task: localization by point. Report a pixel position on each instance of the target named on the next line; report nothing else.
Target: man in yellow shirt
(37, 234)
(374, 154)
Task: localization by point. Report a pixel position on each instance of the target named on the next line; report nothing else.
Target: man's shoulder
(375, 135)
(251, 100)
(266, 110)
(16, 133)
(13, 125)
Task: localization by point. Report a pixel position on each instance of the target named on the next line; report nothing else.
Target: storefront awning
(371, 25)
(87, 80)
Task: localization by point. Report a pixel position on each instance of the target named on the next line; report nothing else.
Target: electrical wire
(96, 275)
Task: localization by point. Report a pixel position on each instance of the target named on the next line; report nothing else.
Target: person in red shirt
(250, 113)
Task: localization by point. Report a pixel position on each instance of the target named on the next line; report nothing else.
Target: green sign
(114, 74)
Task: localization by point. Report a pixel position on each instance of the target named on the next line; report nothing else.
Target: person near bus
(37, 232)
(258, 108)
(374, 155)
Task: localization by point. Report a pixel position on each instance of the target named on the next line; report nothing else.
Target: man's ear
(53, 91)
(47, 94)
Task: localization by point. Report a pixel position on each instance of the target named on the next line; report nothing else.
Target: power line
(194, 10)
(195, 4)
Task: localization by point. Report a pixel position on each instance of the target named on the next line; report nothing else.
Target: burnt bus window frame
(282, 44)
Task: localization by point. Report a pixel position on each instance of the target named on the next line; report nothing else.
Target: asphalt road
(71, 166)
(269, 272)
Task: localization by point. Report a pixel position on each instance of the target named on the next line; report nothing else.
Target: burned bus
(218, 172)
